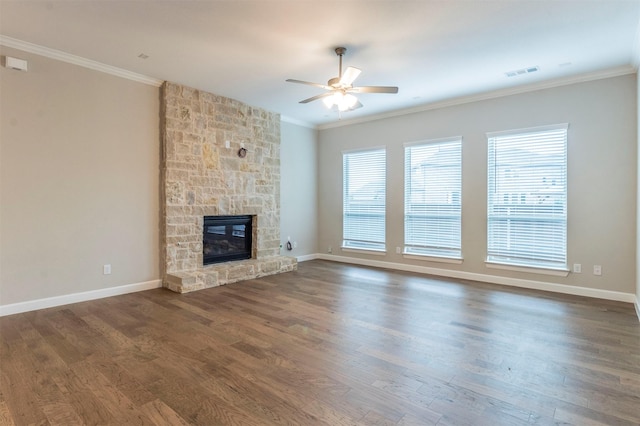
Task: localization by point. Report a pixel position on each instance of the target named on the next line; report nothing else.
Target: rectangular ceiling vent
(521, 71)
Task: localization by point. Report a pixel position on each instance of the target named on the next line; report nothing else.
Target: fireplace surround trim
(233, 242)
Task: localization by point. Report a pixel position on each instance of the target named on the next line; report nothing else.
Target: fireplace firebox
(226, 238)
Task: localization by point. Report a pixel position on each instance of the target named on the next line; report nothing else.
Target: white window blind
(364, 199)
(432, 198)
(527, 197)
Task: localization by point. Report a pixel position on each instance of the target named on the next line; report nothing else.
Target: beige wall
(79, 188)
(602, 158)
(298, 189)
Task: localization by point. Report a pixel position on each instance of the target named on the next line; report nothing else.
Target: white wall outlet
(227, 144)
(106, 269)
(329, 249)
(597, 269)
(295, 244)
(577, 268)
(397, 250)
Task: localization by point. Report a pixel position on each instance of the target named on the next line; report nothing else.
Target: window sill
(364, 251)
(432, 258)
(560, 272)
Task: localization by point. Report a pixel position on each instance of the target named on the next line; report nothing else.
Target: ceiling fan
(339, 89)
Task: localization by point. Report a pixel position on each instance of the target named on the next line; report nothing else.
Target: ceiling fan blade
(308, 83)
(316, 97)
(349, 75)
(356, 106)
(374, 89)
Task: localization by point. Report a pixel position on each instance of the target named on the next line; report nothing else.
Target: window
(527, 197)
(432, 198)
(364, 199)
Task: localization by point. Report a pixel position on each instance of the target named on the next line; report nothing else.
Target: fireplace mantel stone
(204, 176)
(227, 273)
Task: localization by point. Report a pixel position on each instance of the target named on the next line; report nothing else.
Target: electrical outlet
(397, 250)
(577, 268)
(329, 249)
(295, 244)
(597, 269)
(106, 269)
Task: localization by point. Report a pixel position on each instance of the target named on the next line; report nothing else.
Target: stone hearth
(204, 177)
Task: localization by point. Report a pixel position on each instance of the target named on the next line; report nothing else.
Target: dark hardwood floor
(330, 344)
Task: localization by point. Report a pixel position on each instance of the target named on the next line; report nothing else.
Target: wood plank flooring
(329, 344)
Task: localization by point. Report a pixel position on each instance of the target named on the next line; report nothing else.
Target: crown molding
(77, 60)
(609, 73)
(119, 72)
(297, 122)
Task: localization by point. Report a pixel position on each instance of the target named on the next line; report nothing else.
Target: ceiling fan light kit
(341, 101)
(339, 89)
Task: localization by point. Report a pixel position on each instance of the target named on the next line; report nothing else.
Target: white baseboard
(308, 257)
(493, 279)
(50, 302)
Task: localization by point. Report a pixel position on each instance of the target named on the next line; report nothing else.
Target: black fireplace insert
(226, 238)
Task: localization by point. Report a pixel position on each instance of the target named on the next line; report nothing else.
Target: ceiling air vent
(521, 71)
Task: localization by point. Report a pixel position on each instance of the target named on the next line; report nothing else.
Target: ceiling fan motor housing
(334, 82)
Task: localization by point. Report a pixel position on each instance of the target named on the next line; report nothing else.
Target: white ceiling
(434, 51)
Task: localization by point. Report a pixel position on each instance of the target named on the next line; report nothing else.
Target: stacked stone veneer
(201, 177)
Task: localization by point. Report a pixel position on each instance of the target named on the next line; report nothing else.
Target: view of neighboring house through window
(527, 197)
(432, 198)
(364, 199)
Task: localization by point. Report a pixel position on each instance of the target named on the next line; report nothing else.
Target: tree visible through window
(527, 197)
(364, 199)
(432, 198)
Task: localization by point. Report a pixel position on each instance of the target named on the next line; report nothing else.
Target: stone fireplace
(206, 173)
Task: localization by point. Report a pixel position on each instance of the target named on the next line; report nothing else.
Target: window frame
(376, 245)
(503, 258)
(439, 250)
